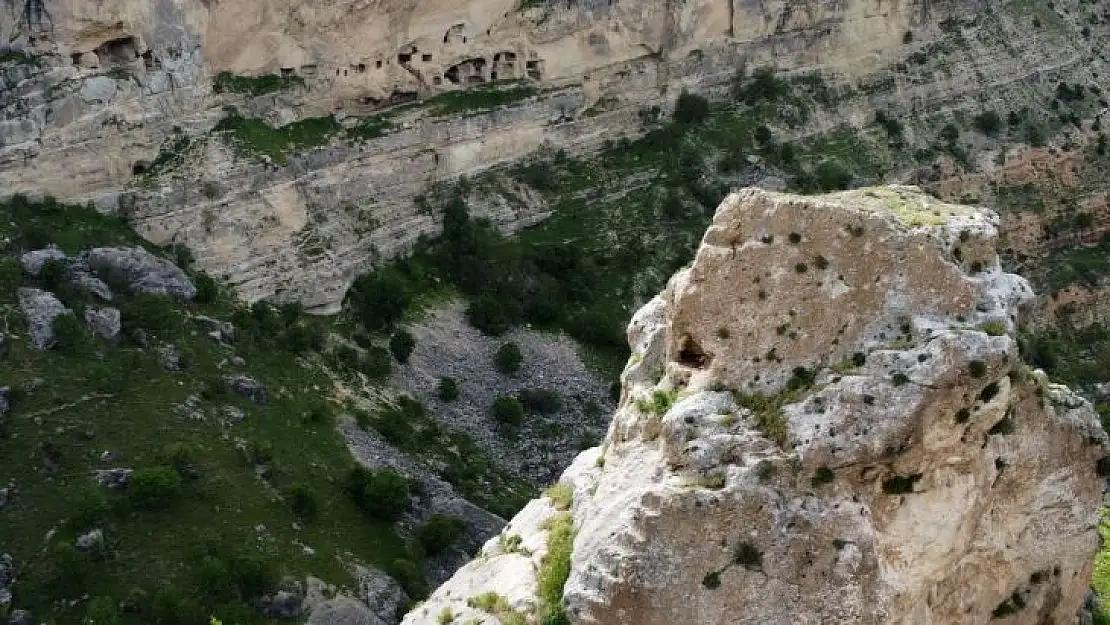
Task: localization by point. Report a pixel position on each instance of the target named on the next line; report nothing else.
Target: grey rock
(41, 307)
(35, 260)
(142, 271)
(169, 357)
(109, 456)
(286, 603)
(343, 611)
(4, 493)
(5, 399)
(382, 594)
(237, 361)
(113, 478)
(21, 617)
(248, 387)
(1102, 392)
(190, 409)
(263, 472)
(105, 322)
(233, 414)
(219, 330)
(7, 570)
(98, 89)
(5, 599)
(90, 541)
(93, 285)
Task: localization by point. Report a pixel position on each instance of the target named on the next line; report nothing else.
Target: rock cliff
(117, 103)
(824, 420)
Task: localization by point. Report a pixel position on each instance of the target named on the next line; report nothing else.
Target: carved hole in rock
(117, 51)
(452, 74)
(361, 67)
(286, 72)
(139, 167)
(493, 75)
(427, 58)
(900, 484)
(378, 64)
(76, 58)
(403, 57)
(151, 61)
(436, 80)
(692, 355)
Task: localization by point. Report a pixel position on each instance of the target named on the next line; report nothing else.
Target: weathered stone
(113, 478)
(343, 611)
(381, 593)
(4, 497)
(21, 617)
(248, 387)
(142, 271)
(41, 307)
(98, 90)
(169, 357)
(931, 469)
(89, 541)
(5, 399)
(105, 322)
(286, 603)
(93, 285)
(34, 260)
(219, 330)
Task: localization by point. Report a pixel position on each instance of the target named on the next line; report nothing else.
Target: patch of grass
(993, 328)
(477, 99)
(769, 416)
(227, 82)
(561, 496)
(254, 137)
(555, 568)
(16, 57)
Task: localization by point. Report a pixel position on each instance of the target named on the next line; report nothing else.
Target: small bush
(303, 502)
(401, 345)
(994, 328)
(823, 475)
(376, 363)
(448, 389)
(508, 359)
(208, 290)
(988, 392)
(988, 123)
(508, 411)
(540, 400)
(555, 569)
(561, 496)
(748, 556)
(69, 334)
(102, 611)
(962, 415)
(691, 109)
(440, 532)
(899, 379)
(711, 580)
(382, 494)
(154, 488)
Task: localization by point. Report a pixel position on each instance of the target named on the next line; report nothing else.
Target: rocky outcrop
(141, 271)
(40, 309)
(824, 420)
(105, 322)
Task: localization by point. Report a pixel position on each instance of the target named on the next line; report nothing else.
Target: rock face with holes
(825, 420)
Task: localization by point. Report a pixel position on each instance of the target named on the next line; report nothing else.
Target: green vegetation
(508, 359)
(440, 532)
(822, 476)
(993, 328)
(977, 368)
(16, 57)
(447, 389)
(507, 411)
(227, 82)
(477, 99)
(498, 606)
(659, 403)
(183, 533)
(540, 401)
(561, 496)
(555, 569)
(254, 137)
(769, 417)
(401, 345)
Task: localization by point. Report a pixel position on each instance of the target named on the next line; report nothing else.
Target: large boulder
(7, 576)
(343, 610)
(34, 260)
(140, 270)
(40, 308)
(382, 594)
(105, 322)
(816, 426)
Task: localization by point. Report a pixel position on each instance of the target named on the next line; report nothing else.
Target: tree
(508, 411)
(508, 359)
(380, 298)
(540, 400)
(401, 345)
(439, 533)
(988, 123)
(102, 611)
(208, 290)
(302, 502)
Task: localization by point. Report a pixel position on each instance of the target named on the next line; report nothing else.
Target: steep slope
(824, 419)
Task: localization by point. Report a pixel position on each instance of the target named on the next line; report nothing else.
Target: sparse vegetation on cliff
(227, 82)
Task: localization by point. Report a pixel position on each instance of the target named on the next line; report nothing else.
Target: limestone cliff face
(824, 420)
(117, 81)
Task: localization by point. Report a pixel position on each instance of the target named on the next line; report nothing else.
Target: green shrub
(382, 494)
(11, 277)
(748, 556)
(69, 334)
(440, 532)
(227, 82)
(540, 400)
(711, 580)
(822, 476)
(380, 299)
(691, 109)
(508, 359)
(447, 389)
(994, 328)
(302, 502)
(899, 379)
(208, 290)
(508, 411)
(555, 568)
(102, 611)
(154, 488)
(401, 345)
(988, 123)
(377, 363)
(561, 495)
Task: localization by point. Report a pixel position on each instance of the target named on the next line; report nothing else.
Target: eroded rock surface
(852, 441)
